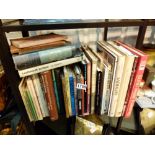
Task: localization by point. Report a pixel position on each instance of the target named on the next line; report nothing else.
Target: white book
(40, 95)
(49, 66)
(34, 97)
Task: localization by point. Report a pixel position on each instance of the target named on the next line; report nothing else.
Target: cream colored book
(26, 104)
(118, 77)
(40, 95)
(49, 66)
(34, 97)
(129, 61)
(92, 58)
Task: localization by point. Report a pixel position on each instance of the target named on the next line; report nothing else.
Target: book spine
(133, 89)
(124, 84)
(56, 91)
(49, 93)
(34, 98)
(79, 96)
(88, 87)
(40, 96)
(82, 95)
(98, 88)
(49, 66)
(60, 91)
(117, 83)
(65, 96)
(71, 82)
(41, 57)
(93, 86)
(75, 95)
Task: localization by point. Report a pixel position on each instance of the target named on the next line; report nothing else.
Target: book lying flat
(37, 40)
(16, 50)
(49, 66)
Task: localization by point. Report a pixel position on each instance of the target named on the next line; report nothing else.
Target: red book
(49, 94)
(136, 78)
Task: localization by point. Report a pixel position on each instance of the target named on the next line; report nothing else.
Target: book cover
(40, 95)
(135, 81)
(37, 40)
(49, 66)
(49, 94)
(32, 92)
(29, 60)
(92, 58)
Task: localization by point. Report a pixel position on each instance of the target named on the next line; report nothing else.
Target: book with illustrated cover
(129, 62)
(37, 40)
(48, 86)
(29, 60)
(92, 58)
(49, 66)
(118, 77)
(135, 80)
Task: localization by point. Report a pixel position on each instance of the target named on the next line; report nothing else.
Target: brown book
(82, 94)
(49, 94)
(16, 50)
(37, 40)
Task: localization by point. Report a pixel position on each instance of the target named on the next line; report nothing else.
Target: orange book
(49, 94)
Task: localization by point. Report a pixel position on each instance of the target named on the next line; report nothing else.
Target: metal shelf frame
(11, 72)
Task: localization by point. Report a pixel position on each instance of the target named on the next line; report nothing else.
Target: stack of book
(78, 81)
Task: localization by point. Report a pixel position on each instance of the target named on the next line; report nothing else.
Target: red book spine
(49, 94)
(135, 81)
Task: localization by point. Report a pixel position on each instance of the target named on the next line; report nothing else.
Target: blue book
(71, 83)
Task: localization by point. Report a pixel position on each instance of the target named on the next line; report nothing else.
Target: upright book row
(62, 79)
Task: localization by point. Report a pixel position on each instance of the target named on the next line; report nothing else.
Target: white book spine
(40, 95)
(34, 97)
(116, 88)
(49, 66)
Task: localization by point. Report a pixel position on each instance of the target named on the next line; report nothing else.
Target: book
(16, 50)
(110, 58)
(32, 93)
(93, 61)
(129, 61)
(135, 81)
(66, 76)
(40, 95)
(48, 86)
(118, 77)
(37, 40)
(49, 66)
(65, 95)
(59, 86)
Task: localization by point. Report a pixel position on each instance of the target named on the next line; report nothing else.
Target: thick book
(135, 80)
(16, 50)
(49, 94)
(118, 77)
(37, 40)
(40, 95)
(29, 60)
(129, 61)
(49, 66)
(32, 91)
(57, 73)
(65, 95)
(92, 58)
